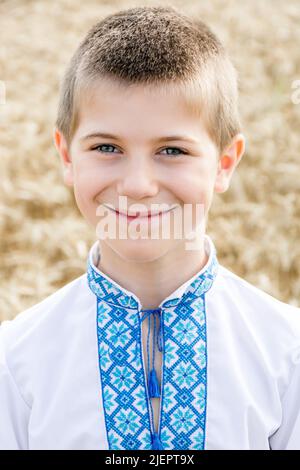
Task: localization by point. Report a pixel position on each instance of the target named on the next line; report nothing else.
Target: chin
(141, 250)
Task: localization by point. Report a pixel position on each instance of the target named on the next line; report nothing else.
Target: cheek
(194, 185)
(88, 180)
(88, 184)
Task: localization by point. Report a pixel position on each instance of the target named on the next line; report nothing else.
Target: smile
(141, 216)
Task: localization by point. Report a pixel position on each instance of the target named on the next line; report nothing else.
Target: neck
(153, 281)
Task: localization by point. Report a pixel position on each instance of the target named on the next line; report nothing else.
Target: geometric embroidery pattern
(126, 404)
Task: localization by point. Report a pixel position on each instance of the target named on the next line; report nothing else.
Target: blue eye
(180, 151)
(103, 145)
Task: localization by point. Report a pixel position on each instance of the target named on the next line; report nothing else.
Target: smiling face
(141, 162)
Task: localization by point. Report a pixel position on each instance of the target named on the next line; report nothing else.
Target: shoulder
(41, 337)
(48, 314)
(257, 306)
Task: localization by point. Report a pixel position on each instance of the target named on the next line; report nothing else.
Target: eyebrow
(106, 135)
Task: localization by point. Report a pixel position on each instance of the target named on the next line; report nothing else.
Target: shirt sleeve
(287, 436)
(14, 412)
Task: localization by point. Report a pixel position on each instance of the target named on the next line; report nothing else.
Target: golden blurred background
(44, 241)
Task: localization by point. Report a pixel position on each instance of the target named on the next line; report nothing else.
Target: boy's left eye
(180, 151)
(175, 148)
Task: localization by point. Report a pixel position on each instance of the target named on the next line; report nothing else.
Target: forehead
(139, 110)
(106, 92)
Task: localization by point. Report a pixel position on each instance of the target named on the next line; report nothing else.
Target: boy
(218, 366)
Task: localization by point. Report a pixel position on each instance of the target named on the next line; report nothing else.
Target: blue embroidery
(126, 403)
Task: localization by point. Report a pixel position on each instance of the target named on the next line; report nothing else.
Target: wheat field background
(255, 225)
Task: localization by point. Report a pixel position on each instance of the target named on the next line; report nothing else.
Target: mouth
(139, 215)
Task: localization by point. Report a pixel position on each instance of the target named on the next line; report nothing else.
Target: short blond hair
(152, 45)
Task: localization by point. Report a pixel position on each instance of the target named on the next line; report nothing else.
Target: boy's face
(141, 164)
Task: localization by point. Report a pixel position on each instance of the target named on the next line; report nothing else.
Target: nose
(138, 180)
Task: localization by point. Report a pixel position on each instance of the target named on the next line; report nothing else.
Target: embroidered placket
(153, 385)
(182, 336)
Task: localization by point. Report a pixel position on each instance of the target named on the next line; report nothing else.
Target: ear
(65, 157)
(228, 161)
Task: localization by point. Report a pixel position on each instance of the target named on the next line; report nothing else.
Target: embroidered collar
(111, 292)
(126, 391)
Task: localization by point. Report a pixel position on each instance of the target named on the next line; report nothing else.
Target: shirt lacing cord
(153, 386)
